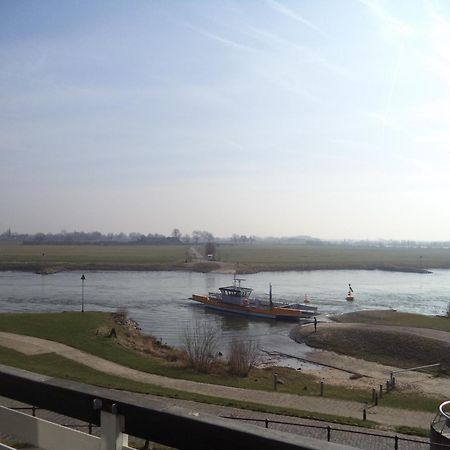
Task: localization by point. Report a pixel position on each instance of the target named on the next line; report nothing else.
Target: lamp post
(82, 292)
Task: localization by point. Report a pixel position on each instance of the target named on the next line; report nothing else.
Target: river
(159, 301)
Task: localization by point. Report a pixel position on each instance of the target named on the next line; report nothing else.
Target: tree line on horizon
(198, 237)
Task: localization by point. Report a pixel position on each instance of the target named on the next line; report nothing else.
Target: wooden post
(376, 399)
(381, 391)
(387, 386)
(275, 381)
(321, 388)
(364, 414)
(374, 393)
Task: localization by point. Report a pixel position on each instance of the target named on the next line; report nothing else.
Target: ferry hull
(249, 310)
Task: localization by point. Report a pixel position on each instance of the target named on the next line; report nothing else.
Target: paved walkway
(382, 415)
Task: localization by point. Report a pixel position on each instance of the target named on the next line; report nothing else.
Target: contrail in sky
(216, 37)
(293, 15)
(391, 90)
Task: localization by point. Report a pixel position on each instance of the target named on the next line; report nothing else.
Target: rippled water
(159, 301)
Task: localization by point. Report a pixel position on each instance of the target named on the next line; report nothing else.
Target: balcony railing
(120, 414)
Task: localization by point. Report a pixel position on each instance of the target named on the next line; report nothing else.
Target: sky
(267, 118)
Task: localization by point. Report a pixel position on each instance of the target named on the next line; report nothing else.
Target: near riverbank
(372, 344)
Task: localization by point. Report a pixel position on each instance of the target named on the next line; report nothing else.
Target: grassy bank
(60, 367)
(395, 318)
(244, 258)
(383, 345)
(80, 330)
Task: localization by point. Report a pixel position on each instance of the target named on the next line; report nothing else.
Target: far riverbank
(241, 259)
(198, 267)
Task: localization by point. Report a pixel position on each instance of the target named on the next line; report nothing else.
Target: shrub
(243, 355)
(200, 343)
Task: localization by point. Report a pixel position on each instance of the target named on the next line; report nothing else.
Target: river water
(159, 301)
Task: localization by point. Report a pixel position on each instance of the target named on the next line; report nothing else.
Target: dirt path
(387, 417)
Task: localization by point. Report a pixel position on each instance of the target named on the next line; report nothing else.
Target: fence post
(393, 383)
(364, 414)
(267, 422)
(33, 411)
(328, 433)
(381, 391)
(376, 399)
(396, 442)
(374, 392)
(387, 386)
(90, 428)
(321, 388)
(275, 381)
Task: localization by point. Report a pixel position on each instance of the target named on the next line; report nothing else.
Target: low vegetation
(91, 332)
(389, 317)
(243, 257)
(262, 257)
(384, 345)
(54, 258)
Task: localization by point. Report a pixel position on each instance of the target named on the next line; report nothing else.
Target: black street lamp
(82, 292)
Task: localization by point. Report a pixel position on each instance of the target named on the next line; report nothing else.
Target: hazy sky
(325, 118)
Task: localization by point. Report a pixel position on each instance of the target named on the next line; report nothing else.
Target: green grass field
(115, 257)
(244, 258)
(305, 257)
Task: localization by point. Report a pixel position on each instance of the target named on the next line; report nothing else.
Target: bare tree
(200, 343)
(243, 355)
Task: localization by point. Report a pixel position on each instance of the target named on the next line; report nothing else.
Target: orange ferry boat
(236, 299)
